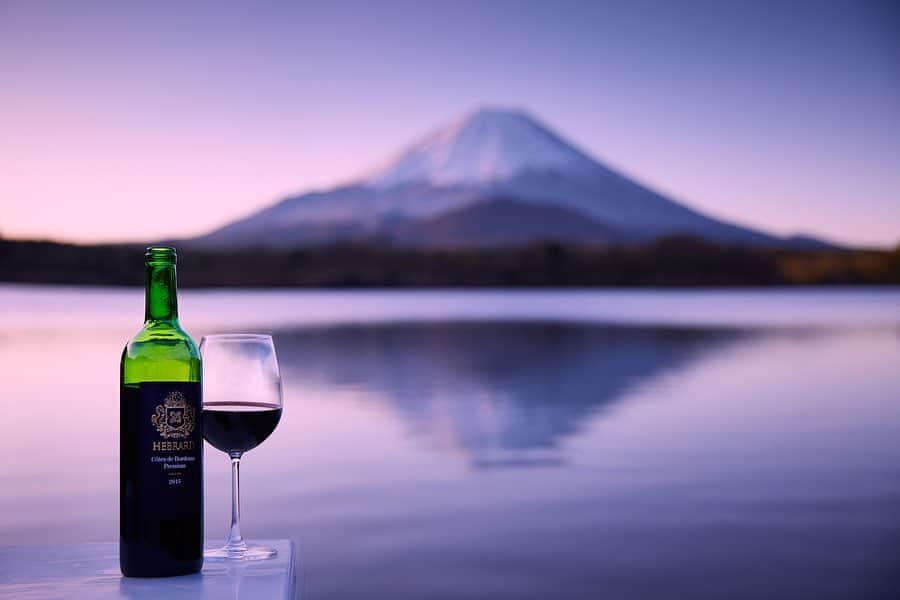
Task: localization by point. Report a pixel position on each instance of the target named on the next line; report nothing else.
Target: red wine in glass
(242, 400)
(236, 427)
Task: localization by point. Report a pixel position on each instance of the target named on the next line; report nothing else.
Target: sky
(143, 120)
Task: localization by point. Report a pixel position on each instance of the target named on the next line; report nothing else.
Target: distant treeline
(676, 261)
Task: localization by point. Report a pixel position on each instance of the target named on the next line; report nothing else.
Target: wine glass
(241, 407)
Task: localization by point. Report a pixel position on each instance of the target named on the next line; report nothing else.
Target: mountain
(486, 146)
(500, 222)
(493, 177)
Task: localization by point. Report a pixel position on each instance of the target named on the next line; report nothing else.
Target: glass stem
(235, 540)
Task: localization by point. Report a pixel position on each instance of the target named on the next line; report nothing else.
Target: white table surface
(92, 571)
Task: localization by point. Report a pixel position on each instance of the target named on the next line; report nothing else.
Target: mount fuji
(494, 177)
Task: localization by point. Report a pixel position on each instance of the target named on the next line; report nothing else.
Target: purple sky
(126, 120)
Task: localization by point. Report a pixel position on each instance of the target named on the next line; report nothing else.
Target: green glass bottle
(160, 437)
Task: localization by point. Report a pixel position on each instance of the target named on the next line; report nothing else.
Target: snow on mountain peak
(486, 145)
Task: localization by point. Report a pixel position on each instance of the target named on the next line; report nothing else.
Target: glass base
(240, 552)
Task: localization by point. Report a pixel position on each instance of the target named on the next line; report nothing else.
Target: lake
(492, 444)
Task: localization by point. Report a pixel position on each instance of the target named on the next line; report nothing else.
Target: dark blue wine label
(170, 445)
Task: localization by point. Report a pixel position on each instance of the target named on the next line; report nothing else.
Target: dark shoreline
(667, 263)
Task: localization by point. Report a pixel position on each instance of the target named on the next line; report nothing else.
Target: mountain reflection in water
(500, 394)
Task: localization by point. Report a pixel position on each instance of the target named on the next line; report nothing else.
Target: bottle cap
(160, 254)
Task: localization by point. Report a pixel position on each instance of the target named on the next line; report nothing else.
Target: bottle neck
(162, 293)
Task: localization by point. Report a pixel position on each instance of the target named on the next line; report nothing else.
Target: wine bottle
(160, 437)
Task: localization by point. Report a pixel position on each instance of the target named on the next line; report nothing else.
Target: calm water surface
(613, 444)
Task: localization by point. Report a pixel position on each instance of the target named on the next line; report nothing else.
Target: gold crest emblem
(174, 418)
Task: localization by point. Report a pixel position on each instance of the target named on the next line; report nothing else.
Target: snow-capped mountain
(486, 146)
(438, 184)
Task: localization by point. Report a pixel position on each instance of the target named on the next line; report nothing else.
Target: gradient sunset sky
(137, 121)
